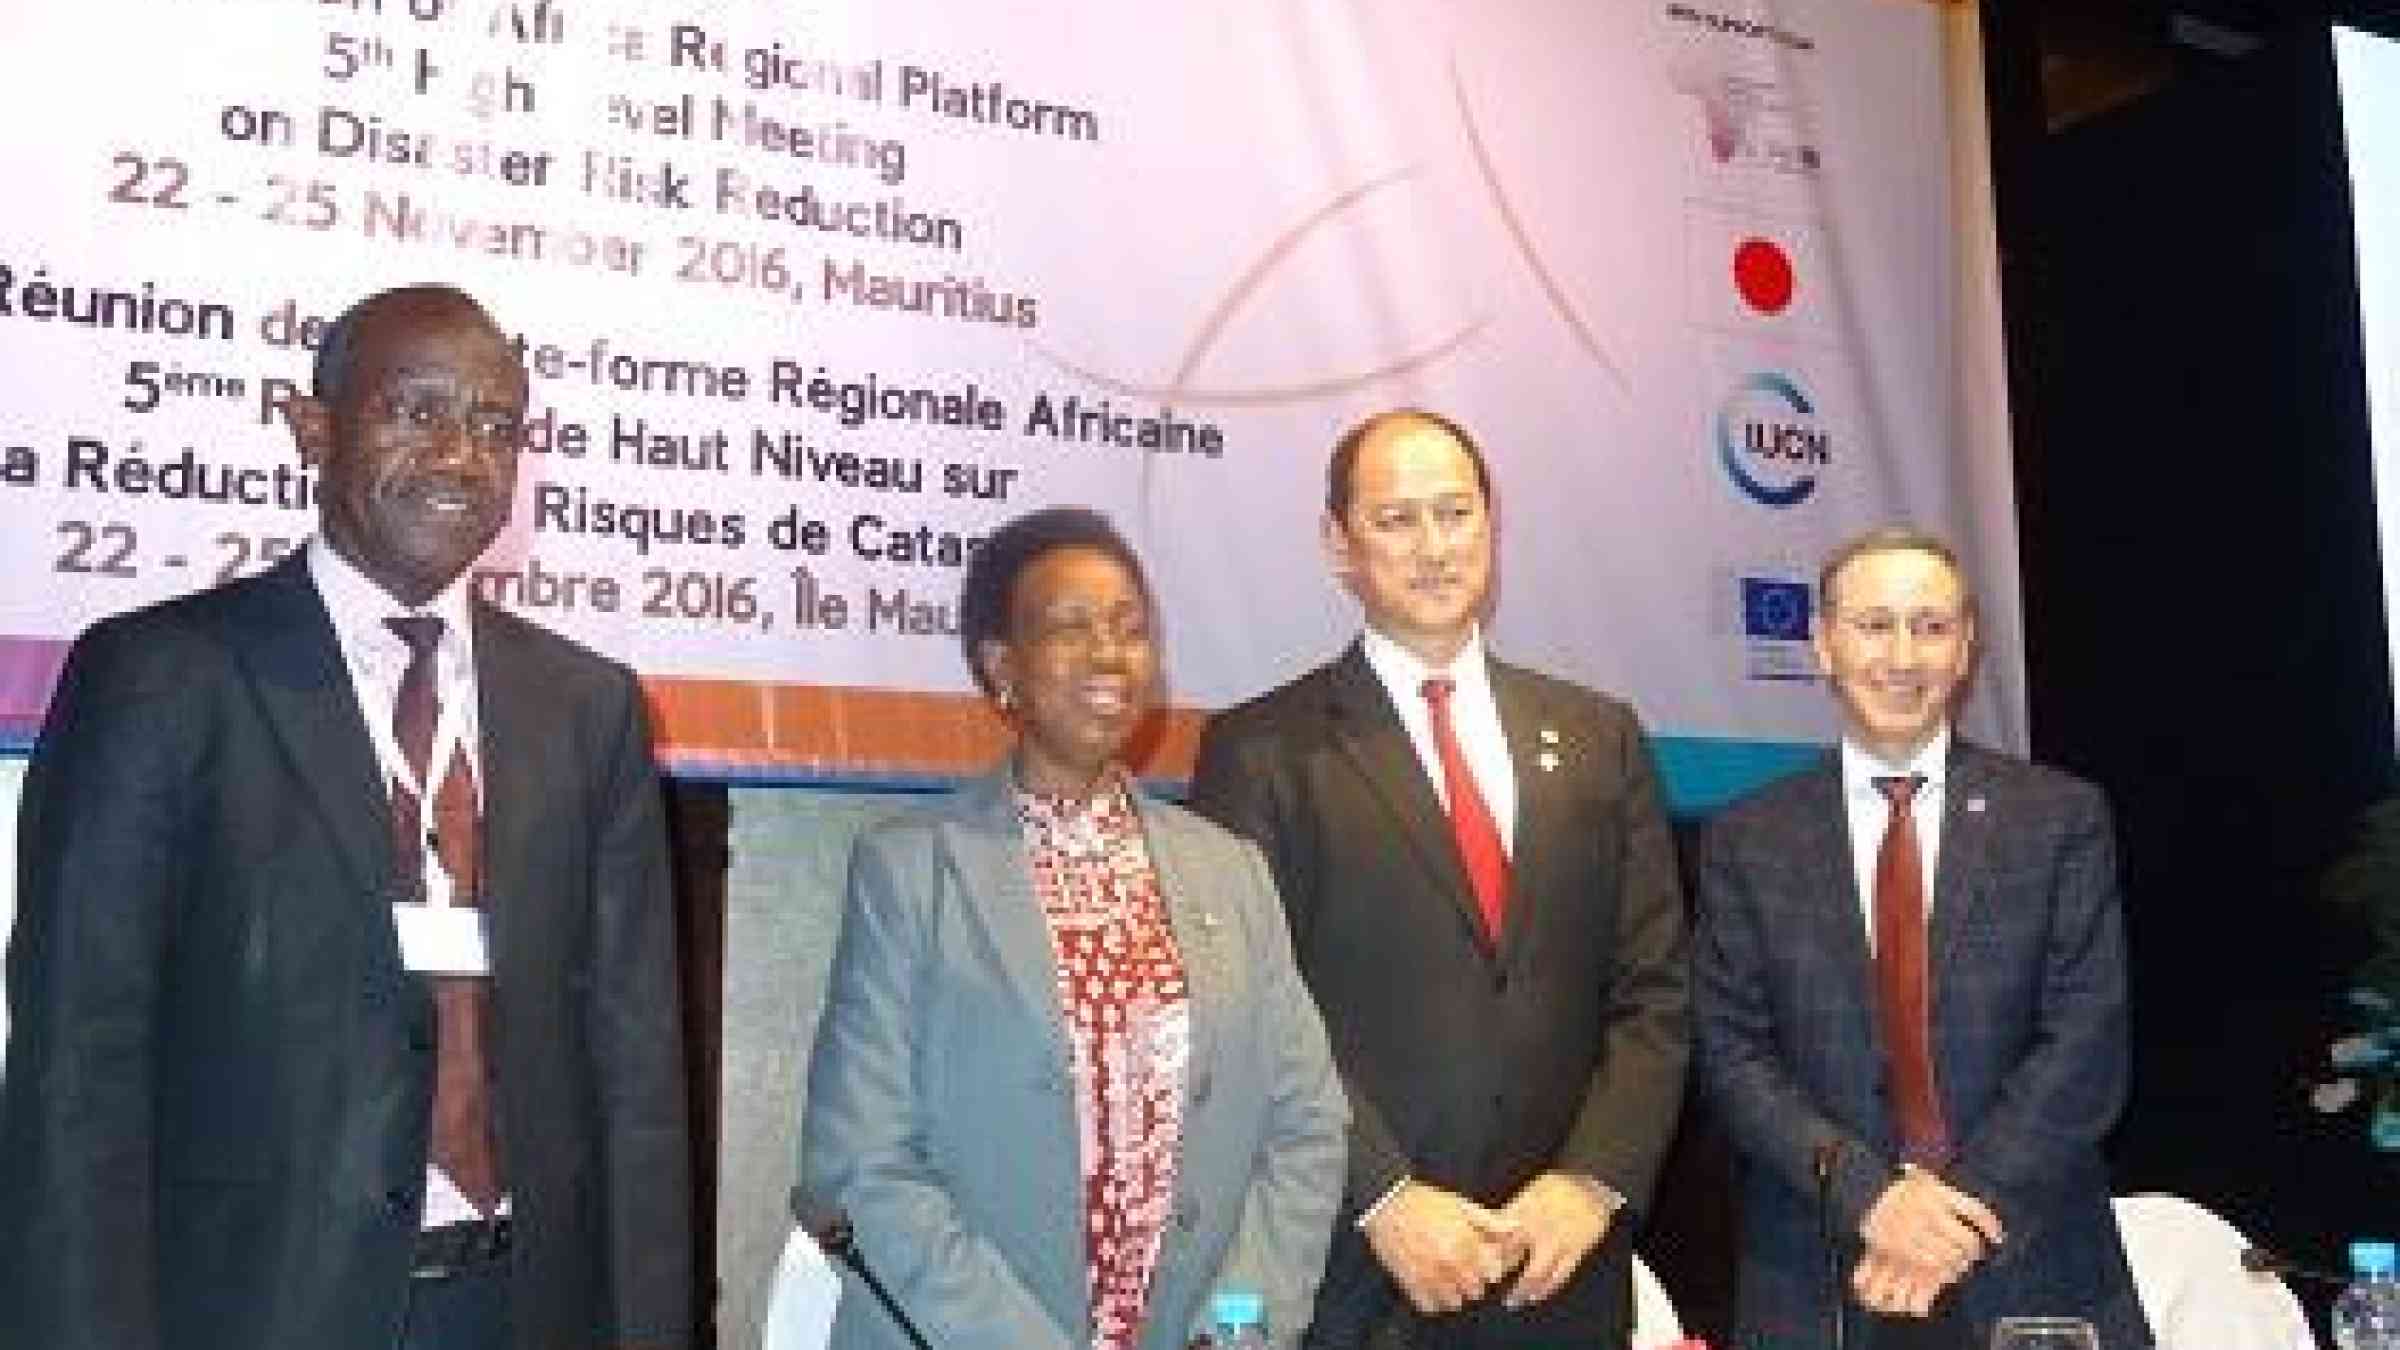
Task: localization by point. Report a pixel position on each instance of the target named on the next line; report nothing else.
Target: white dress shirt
(1870, 812)
(377, 658)
(1474, 718)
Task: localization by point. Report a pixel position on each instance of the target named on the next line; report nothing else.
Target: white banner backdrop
(815, 295)
(2368, 67)
(1713, 283)
(12, 787)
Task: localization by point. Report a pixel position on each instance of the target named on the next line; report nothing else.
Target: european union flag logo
(1775, 609)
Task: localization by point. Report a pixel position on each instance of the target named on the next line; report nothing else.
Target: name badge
(442, 939)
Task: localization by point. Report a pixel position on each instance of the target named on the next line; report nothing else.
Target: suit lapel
(1191, 897)
(1369, 732)
(1966, 845)
(507, 710)
(304, 690)
(1537, 752)
(987, 844)
(1824, 851)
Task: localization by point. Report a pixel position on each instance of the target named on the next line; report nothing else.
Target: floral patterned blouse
(1127, 1010)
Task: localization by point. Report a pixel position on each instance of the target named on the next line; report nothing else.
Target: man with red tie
(1482, 896)
(342, 993)
(1908, 983)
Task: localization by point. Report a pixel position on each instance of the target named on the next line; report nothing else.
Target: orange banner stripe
(744, 729)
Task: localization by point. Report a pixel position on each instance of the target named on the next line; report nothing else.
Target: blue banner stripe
(1703, 774)
(1700, 774)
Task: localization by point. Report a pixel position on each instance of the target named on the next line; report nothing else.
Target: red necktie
(463, 1145)
(1904, 991)
(1470, 820)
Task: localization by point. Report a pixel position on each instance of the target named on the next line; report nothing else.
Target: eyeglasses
(1923, 625)
(423, 412)
(1087, 632)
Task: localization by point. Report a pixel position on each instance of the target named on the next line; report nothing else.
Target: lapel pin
(1548, 759)
(1974, 806)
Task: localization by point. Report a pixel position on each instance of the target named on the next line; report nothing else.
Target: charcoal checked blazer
(2027, 961)
(1472, 1067)
(219, 1086)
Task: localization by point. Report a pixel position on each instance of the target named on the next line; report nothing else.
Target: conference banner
(813, 296)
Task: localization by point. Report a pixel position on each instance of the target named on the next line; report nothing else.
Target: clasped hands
(1921, 1235)
(1445, 1251)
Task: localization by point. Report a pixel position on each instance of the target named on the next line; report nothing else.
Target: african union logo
(1770, 440)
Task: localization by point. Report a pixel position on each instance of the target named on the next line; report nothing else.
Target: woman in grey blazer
(1068, 1084)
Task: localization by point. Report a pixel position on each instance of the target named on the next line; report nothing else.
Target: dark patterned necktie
(463, 1143)
(1471, 820)
(1903, 987)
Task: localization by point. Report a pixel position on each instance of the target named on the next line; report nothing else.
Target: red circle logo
(1762, 272)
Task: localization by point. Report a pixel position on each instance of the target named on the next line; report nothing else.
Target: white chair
(801, 1303)
(2187, 1270)
(1654, 1321)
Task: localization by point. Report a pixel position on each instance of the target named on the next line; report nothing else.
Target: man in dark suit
(1909, 990)
(1482, 897)
(305, 1052)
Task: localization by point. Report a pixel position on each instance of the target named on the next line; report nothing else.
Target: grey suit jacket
(939, 1116)
(2029, 1038)
(214, 1122)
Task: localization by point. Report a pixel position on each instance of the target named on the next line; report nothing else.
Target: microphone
(1826, 1157)
(827, 1224)
(2265, 1261)
(830, 1228)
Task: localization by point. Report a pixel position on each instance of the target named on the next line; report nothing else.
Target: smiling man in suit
(1481, 891)
(305, 1052)
(1909, 990)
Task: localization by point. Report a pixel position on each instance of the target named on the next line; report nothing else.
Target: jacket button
(398, 1203)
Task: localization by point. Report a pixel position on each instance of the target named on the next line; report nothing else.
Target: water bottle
(1237, 1320)
(2367, 1315)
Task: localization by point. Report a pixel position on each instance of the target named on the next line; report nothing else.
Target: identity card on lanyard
(439, 936)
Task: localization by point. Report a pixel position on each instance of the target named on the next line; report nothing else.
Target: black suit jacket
(1472, 1068)
(2027, 963)
(214, 1123)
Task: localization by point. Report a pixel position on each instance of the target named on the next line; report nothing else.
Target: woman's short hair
(992, 572)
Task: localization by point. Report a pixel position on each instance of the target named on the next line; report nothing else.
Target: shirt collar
(358, 606)
(1085, 823)
(1403, 672)
(1860, 768)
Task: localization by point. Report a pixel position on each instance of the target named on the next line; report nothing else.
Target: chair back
(2187, 1271)
(1654, 1321)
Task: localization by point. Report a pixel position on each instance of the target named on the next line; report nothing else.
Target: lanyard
(450, 732)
